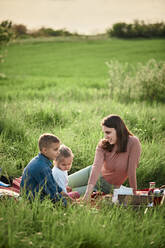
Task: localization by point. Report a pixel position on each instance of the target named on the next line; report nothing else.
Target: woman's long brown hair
(122, 132)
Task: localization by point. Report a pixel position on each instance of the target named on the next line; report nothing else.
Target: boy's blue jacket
(37, 176)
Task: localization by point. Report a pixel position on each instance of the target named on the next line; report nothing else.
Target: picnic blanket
(11, 191)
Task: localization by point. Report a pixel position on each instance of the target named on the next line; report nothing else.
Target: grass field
(62, 87)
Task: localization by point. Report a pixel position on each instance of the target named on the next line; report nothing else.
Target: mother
(116, 159)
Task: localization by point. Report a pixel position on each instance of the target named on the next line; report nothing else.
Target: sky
(82, 16)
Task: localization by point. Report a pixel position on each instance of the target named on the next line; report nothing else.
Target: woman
(116, 159)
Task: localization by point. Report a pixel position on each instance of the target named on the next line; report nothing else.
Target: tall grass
(146, 82)
(42, 225)
(63, 88)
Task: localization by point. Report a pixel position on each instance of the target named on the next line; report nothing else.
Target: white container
(121, 191)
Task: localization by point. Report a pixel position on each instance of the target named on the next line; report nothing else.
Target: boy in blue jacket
(37, 175)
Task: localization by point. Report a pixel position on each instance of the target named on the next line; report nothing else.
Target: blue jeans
(78, 181)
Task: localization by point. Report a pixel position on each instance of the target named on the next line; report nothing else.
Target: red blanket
(15, 185)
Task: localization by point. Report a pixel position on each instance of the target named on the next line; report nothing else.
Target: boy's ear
(44, 150)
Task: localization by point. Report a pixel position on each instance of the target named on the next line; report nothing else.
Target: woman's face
(110, 134)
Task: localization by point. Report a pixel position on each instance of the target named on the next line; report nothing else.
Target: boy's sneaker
(4, 184)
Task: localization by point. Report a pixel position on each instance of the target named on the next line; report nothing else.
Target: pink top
(117, 167)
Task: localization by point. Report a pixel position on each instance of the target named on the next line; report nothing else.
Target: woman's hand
(86, 198)
(88, 193)
(134, 191)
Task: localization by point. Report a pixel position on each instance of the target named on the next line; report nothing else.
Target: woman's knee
(79, 178)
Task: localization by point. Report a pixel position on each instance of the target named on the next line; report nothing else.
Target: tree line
(21, 31)
(138, 29)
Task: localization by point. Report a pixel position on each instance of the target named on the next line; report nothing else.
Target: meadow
(62, 86)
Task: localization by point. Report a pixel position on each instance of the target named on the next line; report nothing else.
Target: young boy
(37, 175)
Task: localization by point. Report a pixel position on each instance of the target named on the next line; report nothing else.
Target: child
(63, 164)
(37, 175)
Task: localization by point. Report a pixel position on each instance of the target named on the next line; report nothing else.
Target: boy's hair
(46, 139)
(64, 152)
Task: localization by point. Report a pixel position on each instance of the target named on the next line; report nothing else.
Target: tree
(5, 36)
(19, 29)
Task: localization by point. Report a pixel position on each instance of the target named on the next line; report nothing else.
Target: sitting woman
(116, 159)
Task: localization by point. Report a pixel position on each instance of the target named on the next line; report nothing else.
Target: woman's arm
(95, 172)
(134, 157)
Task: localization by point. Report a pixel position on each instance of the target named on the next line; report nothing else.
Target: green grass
(82, 58)
(62, 87)
(41, 225)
